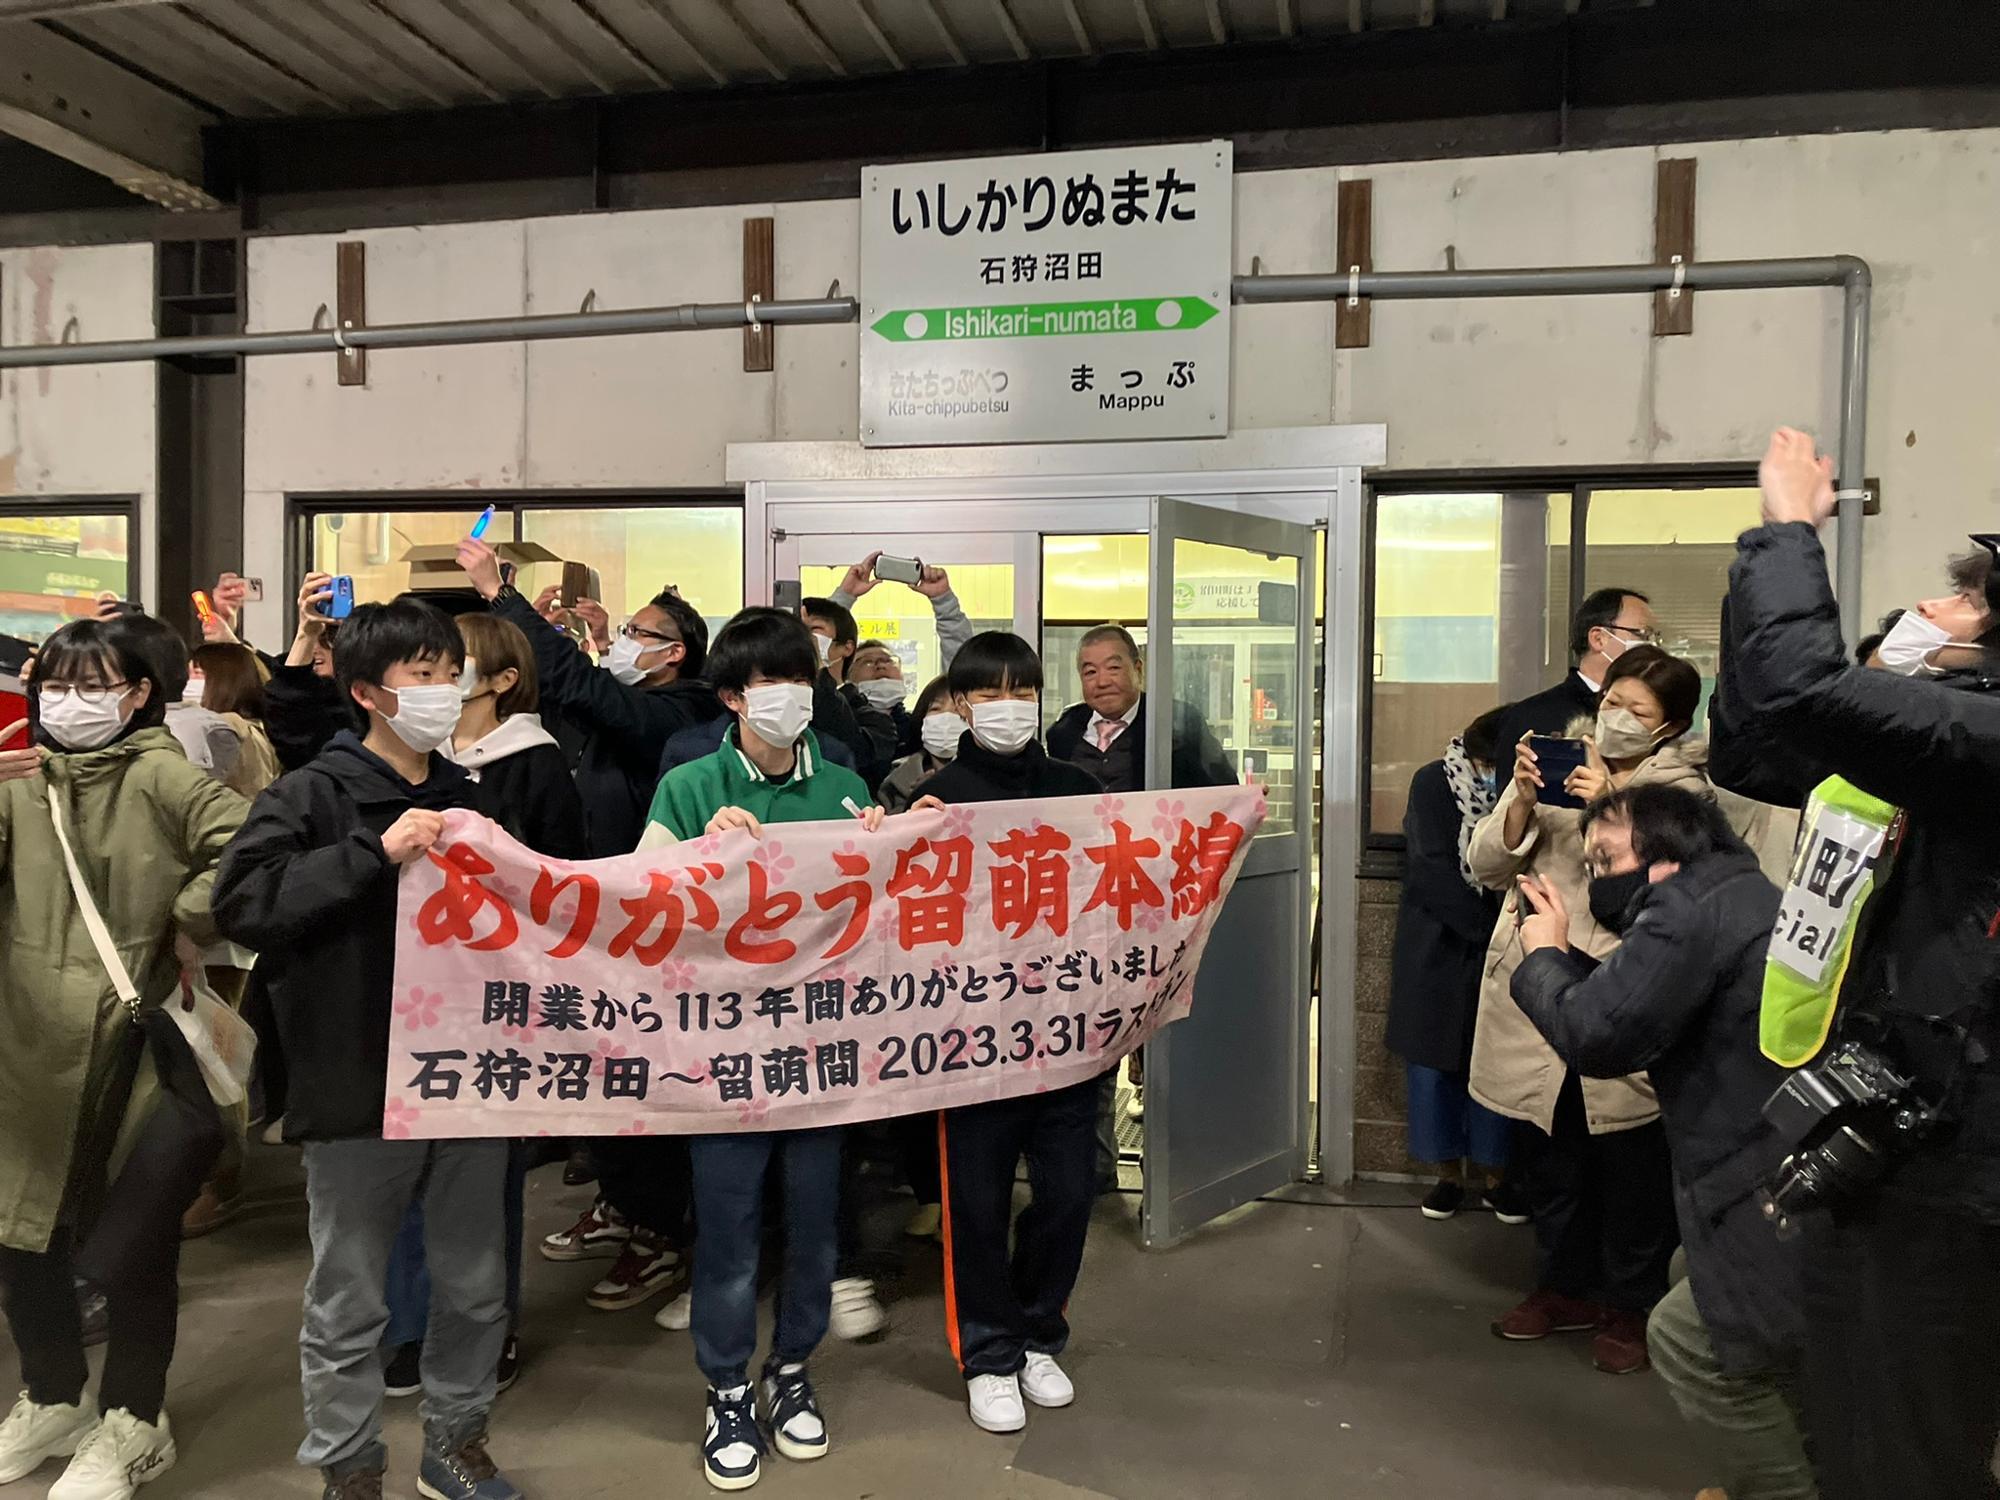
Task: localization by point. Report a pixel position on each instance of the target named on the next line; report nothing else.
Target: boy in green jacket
(767, 770)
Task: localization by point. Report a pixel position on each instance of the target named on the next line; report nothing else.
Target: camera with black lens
(1852, 1116)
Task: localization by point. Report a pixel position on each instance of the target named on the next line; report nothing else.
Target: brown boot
(220, 1200)
(362, 1484)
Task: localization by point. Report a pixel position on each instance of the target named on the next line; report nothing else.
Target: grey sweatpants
(358, 1192)
(1752, 1419)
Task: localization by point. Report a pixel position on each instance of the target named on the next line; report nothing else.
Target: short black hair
(927, 700)
(1481, 737)
(130, 647)
(995, 659)
(692, 628)
(1676, 683)
(1600, 607)
(377, 636)
(763, 641)
(1670, 824)
(1097, 635)
(839, 616)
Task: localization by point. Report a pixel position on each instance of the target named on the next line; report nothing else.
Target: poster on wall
(1072, 297)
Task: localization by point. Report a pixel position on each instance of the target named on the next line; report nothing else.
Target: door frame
(1310, 475)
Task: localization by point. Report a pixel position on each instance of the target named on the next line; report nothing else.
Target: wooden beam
(760, 280)
(1354, 236)
(84, 108)
(350, 305)
(1673, 237)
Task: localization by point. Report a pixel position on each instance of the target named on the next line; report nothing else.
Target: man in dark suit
(1608, 623)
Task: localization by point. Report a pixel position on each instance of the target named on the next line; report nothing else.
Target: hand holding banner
(819, 975)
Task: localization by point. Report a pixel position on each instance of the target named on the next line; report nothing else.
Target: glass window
(901, 618)
(53, 566)
(637, 550)
(1674, 546)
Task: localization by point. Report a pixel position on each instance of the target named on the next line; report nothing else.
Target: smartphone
(202, 607)
(1555, 758)
(575, 583)
(479, 526)
(787, 594)
(253, 591)
(341, 605)
(899, 569)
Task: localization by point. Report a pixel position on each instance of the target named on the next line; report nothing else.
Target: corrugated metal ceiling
(263, 59)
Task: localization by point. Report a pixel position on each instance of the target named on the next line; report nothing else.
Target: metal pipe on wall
(1848, 272)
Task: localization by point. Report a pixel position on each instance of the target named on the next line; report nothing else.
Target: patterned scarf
(1474, 795)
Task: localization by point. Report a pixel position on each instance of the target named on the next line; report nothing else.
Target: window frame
(126, 506)
(302, 508)
(1382, 853)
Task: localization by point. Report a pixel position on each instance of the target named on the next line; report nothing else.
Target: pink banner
(817, 975)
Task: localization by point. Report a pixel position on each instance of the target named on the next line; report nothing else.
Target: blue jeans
(729, 1223)
(409, 1288)
(1447, 1125)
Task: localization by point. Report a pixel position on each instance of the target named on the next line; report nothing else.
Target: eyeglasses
(632, 632)
(1640, 637)
(89, 692)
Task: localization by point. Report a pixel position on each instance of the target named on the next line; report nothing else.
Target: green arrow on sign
(1016, 320)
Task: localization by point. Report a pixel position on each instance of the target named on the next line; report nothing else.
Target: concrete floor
(1287, 1351)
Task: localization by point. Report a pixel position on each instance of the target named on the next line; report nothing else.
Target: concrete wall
(85, 432)
(1575, 381)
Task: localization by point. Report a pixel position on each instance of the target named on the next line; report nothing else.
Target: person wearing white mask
(133, 855)
(1008, 1318)
(1593, 1161)
(1608, 623)
(647, 690)
(310, 884)
(939, 728)
(768, 769)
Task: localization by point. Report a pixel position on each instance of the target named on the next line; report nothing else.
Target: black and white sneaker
(403, 1370)
(732, 1451)
(796, 1425)
(1508, 1205)
(1444, 1201)
(509, 1369)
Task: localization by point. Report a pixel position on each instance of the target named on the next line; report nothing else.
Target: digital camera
(1852, 1116)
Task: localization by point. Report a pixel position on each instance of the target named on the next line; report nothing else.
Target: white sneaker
(678, 1315)
(857, 1311)
(995, 1402)
(274, 1133)
(115, 1459)
(1135, 1107)
(33, 1433)
(1044, 1383)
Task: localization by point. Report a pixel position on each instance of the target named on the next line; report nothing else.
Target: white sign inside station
(1074, 297)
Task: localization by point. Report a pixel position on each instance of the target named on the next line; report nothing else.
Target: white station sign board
(1073, 297)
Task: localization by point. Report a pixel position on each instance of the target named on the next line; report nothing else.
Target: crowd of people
(1618, 940)
(1636, 1013)
(232, 822)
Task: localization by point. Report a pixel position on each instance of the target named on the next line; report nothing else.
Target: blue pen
(485, 520)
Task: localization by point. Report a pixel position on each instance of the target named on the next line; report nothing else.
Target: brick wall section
(1379, 1093)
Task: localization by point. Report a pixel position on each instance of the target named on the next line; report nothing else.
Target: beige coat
(1514, 1071)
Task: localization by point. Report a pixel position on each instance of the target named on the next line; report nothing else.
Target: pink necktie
(1107, 731)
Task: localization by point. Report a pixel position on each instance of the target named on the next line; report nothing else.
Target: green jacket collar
(740, 767)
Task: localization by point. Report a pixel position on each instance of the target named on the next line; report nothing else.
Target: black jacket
(1679, 999)
(1442, 928)
(878, 739)
(532, 795)
(1551, 711)
(1931, 746)
(624, 728)
(979, 775)
(302, 713)
(1199, 759)
(307, 885)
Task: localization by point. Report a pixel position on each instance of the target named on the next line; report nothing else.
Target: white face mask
(778, 712)
(622, 660)
(1907, 648)
(1006, 726)
(77, 725)
(1620, 735)
(425, 716)
(823, 644)
(941, 733)
(196, 689)
(468, 679)
(883, 692)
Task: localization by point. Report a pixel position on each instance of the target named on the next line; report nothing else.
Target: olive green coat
(148, 830)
